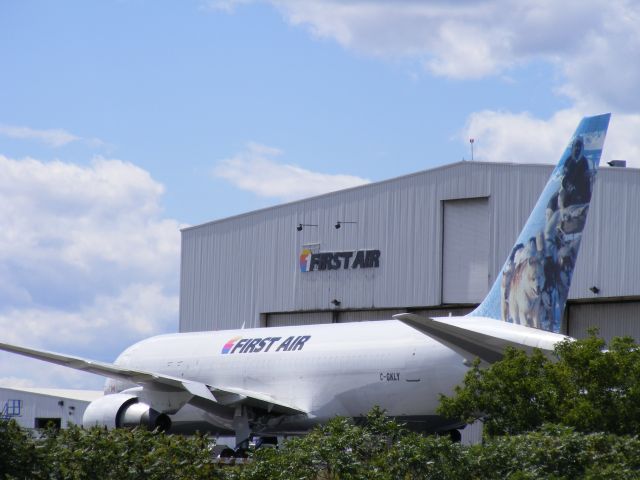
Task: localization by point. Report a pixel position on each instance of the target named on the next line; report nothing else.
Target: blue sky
(121, 121)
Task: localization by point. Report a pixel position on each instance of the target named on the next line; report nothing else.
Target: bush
(343, 450)
(17, 451)
(377, 448)
(78, 454)
(126, 454)
(556, 452)
(585, 387)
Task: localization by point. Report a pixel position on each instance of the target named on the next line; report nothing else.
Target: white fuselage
(325, 370)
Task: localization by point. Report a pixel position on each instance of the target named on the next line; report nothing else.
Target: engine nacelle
(123, 410)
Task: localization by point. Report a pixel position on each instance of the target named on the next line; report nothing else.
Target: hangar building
(39, 407)
(431, 243)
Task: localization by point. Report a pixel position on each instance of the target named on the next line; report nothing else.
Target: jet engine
(123, 410)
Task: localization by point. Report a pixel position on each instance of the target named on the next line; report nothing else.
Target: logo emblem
(229, 345)
(305, 256)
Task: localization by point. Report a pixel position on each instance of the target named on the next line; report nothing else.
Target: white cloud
(594, 44)
(135, 312)
(225, 5)
(18, 371)
(87, 261)
(623, 142)
(255, 170)
(53, 137)
(10, 381)
(522, 138)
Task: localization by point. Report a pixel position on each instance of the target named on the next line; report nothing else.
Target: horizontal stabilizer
(481, 337)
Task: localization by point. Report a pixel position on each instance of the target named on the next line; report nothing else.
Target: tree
(584, 386)
(137, 453)
(376, 448)
(555, 452)
(381, 449)
(17, 451)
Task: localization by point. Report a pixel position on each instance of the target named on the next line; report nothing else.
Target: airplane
(285, 380)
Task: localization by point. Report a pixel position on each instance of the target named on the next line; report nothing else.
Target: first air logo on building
(311, 262)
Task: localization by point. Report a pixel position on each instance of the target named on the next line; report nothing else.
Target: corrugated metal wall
(472, 434)
(237, 269)
(612, 319)
(366, 315)
(333, 316)
(610, 255)
(465, 269)
(33, 406)
(443, 312)
(298, 318)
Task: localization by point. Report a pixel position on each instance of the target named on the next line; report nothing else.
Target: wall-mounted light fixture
(302, 225)
(595, 290)
(340, 222)
(617, 163)
(335, 302)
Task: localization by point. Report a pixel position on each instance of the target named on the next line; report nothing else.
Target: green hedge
(376, 449)
(96, 453)
(381, 450)
(584, 386)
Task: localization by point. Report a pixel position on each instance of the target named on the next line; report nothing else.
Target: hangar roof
(84, 395)
(459, 164)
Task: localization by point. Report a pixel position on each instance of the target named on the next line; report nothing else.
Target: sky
(122, 121)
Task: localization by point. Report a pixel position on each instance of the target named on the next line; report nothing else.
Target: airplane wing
(157, 381)
(482, 337)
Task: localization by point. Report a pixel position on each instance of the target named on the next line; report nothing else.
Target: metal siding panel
(611, 319)
(466, 251)
(367, 315)
(515, 190)
(25, 420)
(299, 318)
(609, 257)
(472, 433)
(442, 312)
(44, 406)
(235, 269)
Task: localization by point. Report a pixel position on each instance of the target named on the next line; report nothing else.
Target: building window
(42, 423)
(12, 408)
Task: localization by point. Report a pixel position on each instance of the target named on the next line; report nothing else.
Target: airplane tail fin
(533, 286)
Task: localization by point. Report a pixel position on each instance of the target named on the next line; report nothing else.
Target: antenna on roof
(471, 140)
